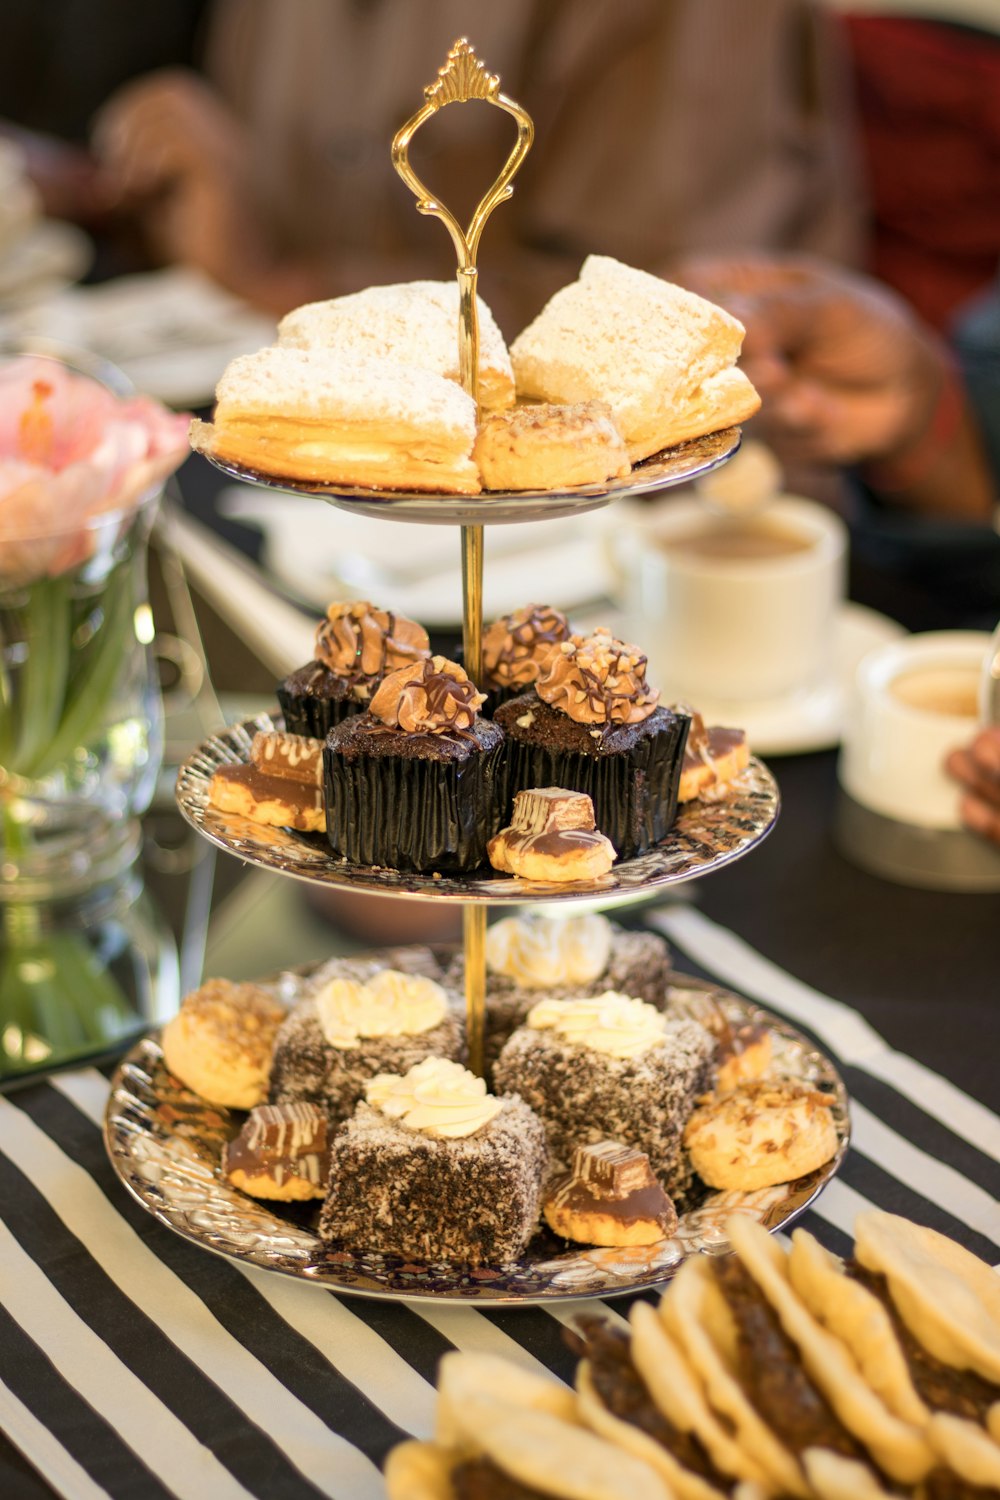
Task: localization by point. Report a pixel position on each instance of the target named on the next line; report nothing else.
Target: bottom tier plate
(166, 1145)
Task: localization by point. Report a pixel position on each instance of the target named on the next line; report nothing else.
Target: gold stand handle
(463, 77)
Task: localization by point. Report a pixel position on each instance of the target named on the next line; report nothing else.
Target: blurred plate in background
(172, 332)
(318, 553)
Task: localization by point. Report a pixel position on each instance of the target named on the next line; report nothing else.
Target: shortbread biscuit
(662, 358)
(280, 1153)
(276, 801)
(765, 1132)
(219, 1043)
(320, 417)
(288, 757)
(413, 322)
(547, 447)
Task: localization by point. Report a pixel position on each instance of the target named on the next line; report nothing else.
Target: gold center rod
(463, 78)
(474, 947)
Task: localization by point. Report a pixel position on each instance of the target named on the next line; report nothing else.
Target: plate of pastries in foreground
(389, 771)
(623, 383)
(767, 1373)
(323, 1124)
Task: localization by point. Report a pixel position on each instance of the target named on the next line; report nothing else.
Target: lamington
(611, 1067)
(362, 1021)
(433, 1168)
(531, 955)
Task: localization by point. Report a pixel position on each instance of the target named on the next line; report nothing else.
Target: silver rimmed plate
(495, 507)
(706, 836)
(166, 1144)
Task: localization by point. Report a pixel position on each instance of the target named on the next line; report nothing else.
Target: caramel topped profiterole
(610, 1197)
(552, 836)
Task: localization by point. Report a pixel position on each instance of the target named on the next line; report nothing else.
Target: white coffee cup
(912, 702)
(730, 609)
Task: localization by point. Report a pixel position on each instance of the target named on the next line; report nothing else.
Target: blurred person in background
(59, 62)
(976, 768)
(662, 127)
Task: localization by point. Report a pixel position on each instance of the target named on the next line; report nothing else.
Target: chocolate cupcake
(413, 784)
(593, 724)
(356, 645)
(514, 648)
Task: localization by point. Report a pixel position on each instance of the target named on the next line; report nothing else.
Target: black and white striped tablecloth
(137, 1366)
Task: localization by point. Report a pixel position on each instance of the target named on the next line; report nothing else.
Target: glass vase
(81, 719)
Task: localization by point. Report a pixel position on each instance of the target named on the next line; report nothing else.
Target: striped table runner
(136, 1366)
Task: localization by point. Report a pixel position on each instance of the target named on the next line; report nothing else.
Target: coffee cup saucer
(812, 718)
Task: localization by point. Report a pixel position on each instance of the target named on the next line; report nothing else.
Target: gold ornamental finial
(463, 77)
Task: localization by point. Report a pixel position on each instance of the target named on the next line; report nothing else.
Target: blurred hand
(846, 373)
(175, 158)
(977, 769)
(66, 178)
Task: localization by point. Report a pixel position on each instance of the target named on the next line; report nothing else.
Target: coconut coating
(396, 1191)
(306, 1066)
(584, 1096)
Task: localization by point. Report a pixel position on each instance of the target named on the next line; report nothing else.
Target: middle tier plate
(705, 837)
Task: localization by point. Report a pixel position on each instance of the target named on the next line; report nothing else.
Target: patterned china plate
(165, 1145)
(706, 836)
(679, 465)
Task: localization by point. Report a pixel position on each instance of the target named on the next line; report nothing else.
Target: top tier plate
(498, 507)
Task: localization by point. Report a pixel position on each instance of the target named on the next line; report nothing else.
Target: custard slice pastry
(414, 322)
(317, 416)
(662, 358)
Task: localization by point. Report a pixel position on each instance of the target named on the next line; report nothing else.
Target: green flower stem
(54, 993)
(83, 711)
(45, 670)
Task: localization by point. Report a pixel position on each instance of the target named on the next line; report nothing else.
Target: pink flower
(71, 451)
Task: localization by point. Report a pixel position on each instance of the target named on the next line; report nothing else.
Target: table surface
(135, 1365)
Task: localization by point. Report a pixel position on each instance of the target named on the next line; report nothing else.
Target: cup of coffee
(913, 701)
(732, 609)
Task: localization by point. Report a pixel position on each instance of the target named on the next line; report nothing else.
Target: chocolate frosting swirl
(363, 643)
(515, 646)
(597, 679)
(432, 696)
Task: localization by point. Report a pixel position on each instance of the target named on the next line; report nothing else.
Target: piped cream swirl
(610, 1023)
(597, 679)
(358, 640)
(389, 1004)
(538, 952)
(433, 696)
(437, 1097)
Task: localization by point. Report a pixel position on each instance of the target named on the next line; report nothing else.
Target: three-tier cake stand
(185, 1193)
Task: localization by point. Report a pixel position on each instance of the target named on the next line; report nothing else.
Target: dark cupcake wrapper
(315, 714)
(634, 791)
(409, 813)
